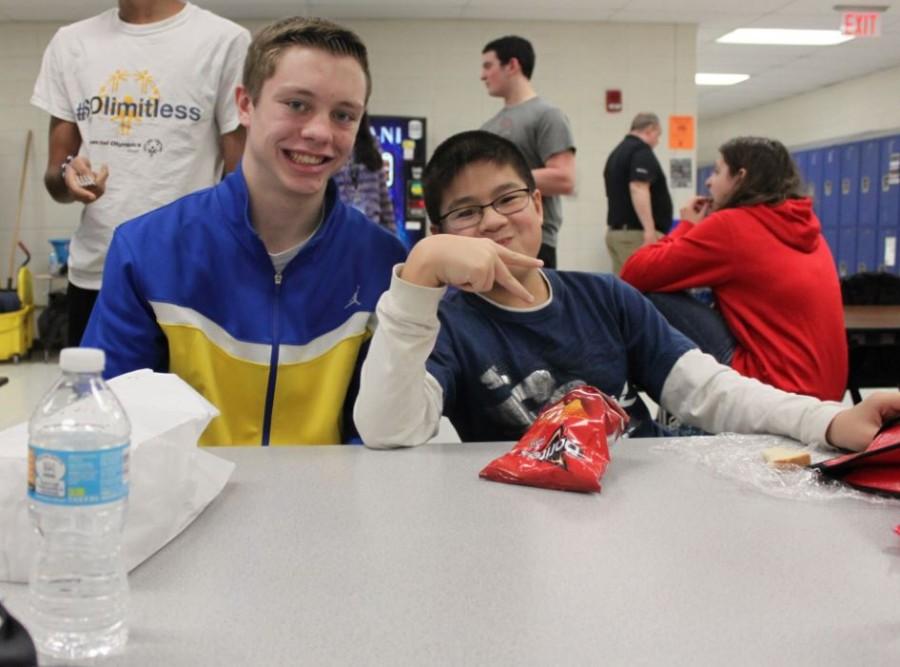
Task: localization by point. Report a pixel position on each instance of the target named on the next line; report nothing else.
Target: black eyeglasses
(461, 219)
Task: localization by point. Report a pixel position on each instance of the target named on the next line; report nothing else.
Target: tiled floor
(29, 380)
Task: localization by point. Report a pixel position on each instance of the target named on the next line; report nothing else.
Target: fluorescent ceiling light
(861, 8)
(709, 79)
(784, 37)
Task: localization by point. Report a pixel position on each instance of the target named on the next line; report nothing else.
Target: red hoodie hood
(792, 222)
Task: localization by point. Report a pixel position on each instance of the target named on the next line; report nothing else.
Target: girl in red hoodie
(757, 243)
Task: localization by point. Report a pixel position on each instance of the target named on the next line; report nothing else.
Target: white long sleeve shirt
(400, 403)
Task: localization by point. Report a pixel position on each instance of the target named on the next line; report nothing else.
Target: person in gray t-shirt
(539, 129)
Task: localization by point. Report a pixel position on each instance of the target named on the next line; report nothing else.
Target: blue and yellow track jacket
(190, 289)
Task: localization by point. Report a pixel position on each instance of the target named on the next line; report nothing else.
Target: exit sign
(861, 24)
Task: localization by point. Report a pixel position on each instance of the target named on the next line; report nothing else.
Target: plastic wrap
(740, 458)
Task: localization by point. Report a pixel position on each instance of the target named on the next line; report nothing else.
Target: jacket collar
(234, 201)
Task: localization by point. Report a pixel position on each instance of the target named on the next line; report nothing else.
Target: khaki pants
(622, 243)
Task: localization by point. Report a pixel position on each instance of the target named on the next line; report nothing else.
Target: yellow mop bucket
(17, 327)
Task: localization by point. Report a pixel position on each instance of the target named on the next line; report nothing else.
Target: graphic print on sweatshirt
(525, 400)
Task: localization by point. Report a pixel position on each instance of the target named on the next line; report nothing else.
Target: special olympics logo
(153, 146)
(127, 97)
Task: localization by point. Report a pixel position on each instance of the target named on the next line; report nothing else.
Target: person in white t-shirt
(142, 112)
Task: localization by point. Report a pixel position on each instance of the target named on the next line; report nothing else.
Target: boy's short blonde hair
(270, 43)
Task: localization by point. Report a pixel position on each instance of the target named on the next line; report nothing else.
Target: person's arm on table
(716, 398)
(122, 323)
(854, 428)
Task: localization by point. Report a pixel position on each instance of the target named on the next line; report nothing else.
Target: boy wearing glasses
(513, 337)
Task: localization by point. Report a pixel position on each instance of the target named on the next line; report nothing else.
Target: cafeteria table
(872, 318)
(347, 556)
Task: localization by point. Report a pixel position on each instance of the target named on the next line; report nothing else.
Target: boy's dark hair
(366, 150)
(516, 47)
(771, 175)
(457, 153)
(269, 44)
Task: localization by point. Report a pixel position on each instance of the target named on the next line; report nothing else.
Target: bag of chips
(567, 447)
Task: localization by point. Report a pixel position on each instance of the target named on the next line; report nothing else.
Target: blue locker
(869, 182)
(831, 187)
(887, 251)
(814, 179)
(889, 184)
(846, 255)
(889, 204)
(831, 236)
(702, 174)
(848, 208)
(801, 158)
(866, 249)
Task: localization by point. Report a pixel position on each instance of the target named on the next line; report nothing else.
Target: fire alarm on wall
(613, 101)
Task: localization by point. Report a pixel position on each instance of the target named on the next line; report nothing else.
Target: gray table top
(341, 555)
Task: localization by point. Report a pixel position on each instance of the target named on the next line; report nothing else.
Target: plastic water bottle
(78, 490)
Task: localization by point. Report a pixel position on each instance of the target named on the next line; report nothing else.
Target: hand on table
(854, 428)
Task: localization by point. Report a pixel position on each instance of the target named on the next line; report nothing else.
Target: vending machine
(402, 140)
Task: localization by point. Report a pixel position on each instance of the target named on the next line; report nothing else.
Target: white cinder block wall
(427, 68)
(869, 104)
(21, 47)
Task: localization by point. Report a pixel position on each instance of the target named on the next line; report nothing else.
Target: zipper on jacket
(273, 364)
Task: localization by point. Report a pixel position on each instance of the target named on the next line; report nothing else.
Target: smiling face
(483, 182)
(301, 129)
(722, 183)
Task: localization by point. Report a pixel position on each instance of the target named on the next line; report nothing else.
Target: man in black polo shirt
(640, 208)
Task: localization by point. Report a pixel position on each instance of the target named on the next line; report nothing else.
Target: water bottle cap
(82, 360)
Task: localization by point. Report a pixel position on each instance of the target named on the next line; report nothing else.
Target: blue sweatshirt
(190, 289)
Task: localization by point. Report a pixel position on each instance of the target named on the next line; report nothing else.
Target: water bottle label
(78, 478)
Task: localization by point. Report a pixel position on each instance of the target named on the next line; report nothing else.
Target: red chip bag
(567, 446)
